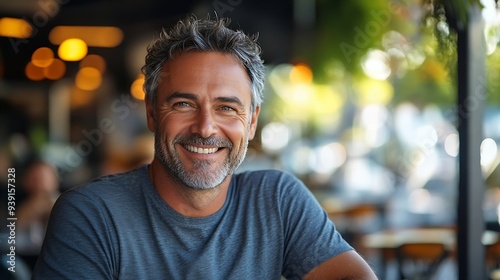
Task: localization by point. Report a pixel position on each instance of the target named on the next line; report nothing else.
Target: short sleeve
(78, 243)
(310, 236)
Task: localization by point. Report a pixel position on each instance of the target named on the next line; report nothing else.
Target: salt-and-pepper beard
(204, 175)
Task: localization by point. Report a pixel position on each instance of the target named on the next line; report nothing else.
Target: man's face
(202, 120)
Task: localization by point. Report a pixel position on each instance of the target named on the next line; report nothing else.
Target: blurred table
(388, 241)
(391, 239)
(338, 204)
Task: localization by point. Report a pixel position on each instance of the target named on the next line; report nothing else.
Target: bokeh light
(371, 91)
(301, 73)
(88, 78)
(489, 150)
(376, 65)
(15, 28)
(327, 158)
(94, 61)
(55, 70)
(275, 136)
(451, 144)
(95, 36)
(137, 89)
(42, 57)
(34, 72)
(73, 49)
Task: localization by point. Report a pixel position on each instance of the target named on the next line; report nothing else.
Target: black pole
(471, 97)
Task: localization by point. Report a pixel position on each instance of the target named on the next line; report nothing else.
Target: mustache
(195, 139)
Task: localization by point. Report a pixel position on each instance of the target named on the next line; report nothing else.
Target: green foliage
(427, 84)
(346, 30)
(493, 77)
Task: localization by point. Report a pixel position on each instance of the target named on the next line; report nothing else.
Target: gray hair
(204, 35)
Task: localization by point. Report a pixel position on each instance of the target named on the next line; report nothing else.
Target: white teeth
(201, 150)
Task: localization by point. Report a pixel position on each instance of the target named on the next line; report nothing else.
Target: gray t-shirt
(118, 227)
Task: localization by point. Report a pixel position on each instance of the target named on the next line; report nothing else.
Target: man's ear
(150, 114)
(253, 123)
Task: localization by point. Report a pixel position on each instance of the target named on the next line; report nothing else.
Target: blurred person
(187, 215)
(40, 184)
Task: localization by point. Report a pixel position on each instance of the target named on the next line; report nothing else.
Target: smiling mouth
(204, 151)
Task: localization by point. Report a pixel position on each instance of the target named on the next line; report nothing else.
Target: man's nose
(205, 124)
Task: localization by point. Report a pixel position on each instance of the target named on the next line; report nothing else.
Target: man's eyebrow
(177, 95)
(230, 99)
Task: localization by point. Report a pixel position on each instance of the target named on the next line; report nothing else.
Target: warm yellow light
(94, 61)
(94, 36)
(42, 57)
(327, 101)
(136, 89)
(15, 27)
(301, 73)
(34, 72)
(73, 49)
(372, 91)
(88, 78)
(55, 70)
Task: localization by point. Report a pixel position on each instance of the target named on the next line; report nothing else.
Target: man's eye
(181, 104)
(226, 108)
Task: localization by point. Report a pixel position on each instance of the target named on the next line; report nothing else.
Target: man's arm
(313, 246)
(77, 243)
(345, 266)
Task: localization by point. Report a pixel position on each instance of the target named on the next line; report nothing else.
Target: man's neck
(185, 200)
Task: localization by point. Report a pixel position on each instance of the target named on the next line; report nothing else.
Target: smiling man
(202, 119)
(187, 215)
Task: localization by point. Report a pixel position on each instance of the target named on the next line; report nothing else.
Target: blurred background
(360, 102)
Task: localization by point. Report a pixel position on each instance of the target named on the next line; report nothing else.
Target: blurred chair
(420, 260)
(354, 221)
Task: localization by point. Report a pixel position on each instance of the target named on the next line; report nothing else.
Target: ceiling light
(88, 78)
(15, 28)
(94, 36)
(42, 57)
(55, 70)
(73, 49)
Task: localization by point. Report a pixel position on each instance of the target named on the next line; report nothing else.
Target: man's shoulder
(123, 182)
